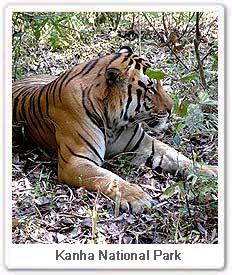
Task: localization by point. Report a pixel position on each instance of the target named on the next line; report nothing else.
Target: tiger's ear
(112, 76)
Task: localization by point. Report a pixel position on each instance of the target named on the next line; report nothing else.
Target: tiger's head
(138, 97)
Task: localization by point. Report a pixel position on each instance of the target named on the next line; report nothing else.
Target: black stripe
(64, 160)
(91, 67)
(121, 106)
(80, 156)
(141, 84)
(61, 82)
(117, 55)
(35, 119)
(22, 108)
(96, 119)
(131, 62)
(85, 66)
(128, 101)
(139, 93)
(22, 113)
(44, 142)
(146, 107)
(15, 107)
(47, 101)
(25, 91)
(153, 90)
(84, 157)
(31, 102)
(137, 65)
(119, 134)
(52, 88)
(35, 128)
(40, 94)
(92, 148)
(138, 59)
(81, 71)
(147, 98)
(99, 73)
(14, 113)
(21, 89)
(126, 57)
(18, 103)
(108, 125)
(138, 142)
(149, 160)
(132, 137)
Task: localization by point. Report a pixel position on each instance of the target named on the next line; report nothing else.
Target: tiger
(97, 110)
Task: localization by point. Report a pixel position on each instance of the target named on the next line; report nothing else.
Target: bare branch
(196, 46)
(152, 25)
(165, 43)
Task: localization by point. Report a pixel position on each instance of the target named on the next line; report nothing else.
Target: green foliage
(124, 165)
(155, 14)
(198, 189)
(155, 74)
(204, 99)
(195, 118)
(177, 139)
(189, 77)
(215, 62)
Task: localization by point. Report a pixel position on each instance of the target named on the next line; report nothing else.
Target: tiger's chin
(159, 125)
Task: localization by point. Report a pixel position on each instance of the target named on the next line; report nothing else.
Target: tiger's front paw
(133, 198)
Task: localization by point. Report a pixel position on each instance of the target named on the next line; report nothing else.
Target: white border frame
(22, 256)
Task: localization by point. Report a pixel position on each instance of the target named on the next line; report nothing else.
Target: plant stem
(196, 46)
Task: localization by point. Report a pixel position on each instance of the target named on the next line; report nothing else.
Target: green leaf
(183, 109)
(194, 119)
(215, 63)
(41, 25)
(65, 43)
(182, 239)
(205, 99)
(176, 140)
(172, 190)
(195, 232)
(155, 74)
(180, 127)
(56, 26)
(154, 14)
(194, 18)
(189, 77)
(37, 34)
(18, 34)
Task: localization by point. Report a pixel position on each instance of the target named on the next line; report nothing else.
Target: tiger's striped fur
(93, 112)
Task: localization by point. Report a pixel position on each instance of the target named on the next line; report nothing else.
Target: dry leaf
(15, 223)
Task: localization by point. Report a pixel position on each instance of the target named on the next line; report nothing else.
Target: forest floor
(185, 210)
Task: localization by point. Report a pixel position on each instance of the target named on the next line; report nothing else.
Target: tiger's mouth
(158, 124)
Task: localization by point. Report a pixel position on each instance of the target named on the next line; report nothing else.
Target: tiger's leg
(169, 159)
(84, 173)
(157, 153)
